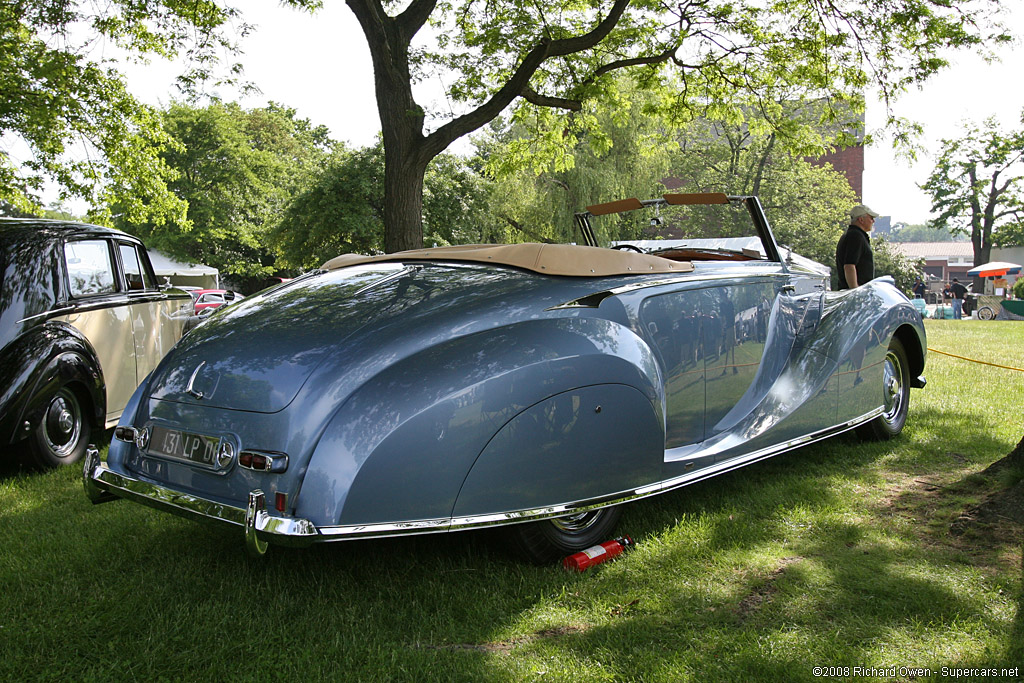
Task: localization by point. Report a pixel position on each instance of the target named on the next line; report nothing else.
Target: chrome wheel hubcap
(578, 522)
(62, 425)
(893, 387)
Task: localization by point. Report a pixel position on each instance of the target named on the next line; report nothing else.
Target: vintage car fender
(856, 329)
(35, 365)
(410, 454)
(864, 319)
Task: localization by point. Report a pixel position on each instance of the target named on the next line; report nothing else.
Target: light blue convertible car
(538, 386)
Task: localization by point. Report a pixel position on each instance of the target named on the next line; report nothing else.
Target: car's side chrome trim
(52, 313)
(102, 484)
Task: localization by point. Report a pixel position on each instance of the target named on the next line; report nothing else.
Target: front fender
(855, 332)
(35, 365)
(401, 446)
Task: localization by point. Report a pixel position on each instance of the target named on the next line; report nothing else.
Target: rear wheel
(986, 313)
(552, 539)
(62, 434)
(895, 396)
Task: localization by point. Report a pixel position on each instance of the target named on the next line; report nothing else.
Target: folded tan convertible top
(549, 259)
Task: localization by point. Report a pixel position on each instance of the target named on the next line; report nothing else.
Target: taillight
(263, 462)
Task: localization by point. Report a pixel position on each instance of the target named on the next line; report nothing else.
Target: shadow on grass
(14, 463)
(726, 583)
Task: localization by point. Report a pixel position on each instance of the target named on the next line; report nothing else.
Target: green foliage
(341, 210)
(236, 170)
(71, 112)
(626, 154)
(977, 187)
(456, 203)
(889, 261)
(806, 204)
(338, 212)
(1018, 288)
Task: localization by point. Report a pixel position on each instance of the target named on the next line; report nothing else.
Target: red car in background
(212, 298)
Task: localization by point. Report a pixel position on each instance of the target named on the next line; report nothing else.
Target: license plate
(174, 443)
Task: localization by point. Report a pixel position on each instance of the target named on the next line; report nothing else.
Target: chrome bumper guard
(103, 484)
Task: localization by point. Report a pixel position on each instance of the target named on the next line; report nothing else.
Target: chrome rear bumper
(103, 484)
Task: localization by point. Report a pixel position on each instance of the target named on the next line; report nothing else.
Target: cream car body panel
(110, 331)
(130, 340)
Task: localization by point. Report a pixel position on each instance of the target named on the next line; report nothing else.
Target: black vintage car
(82, 322)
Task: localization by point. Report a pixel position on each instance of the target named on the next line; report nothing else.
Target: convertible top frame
(753, 205)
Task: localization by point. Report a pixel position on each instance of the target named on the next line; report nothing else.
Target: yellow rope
(995, 365)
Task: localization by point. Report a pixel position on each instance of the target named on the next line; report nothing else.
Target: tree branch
(516, 85)
(415, 16)
(531, 96)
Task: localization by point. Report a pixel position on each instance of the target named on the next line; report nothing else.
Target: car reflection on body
(534, 386)
(82, 321)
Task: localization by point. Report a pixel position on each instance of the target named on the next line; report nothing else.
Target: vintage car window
(697, 232)
(89, 266)
(135, 276)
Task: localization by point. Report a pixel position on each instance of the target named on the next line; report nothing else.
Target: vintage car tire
(62, 434)
(549, 540)
(896, 390)
(986, 313)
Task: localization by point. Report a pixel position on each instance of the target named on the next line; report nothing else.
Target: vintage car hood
(257, 354)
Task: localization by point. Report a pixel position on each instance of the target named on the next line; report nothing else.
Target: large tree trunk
(407, 151)
(1016, 456)
(403, 203)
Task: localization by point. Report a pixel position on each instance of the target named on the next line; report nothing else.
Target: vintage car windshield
(693, 232)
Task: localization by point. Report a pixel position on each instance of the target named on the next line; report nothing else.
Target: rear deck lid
(257, 354)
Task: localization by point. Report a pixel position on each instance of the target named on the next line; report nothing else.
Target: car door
(157, 319)
(99, 311)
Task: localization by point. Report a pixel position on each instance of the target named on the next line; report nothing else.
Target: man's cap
(862, 210)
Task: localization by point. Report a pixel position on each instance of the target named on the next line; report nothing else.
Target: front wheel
(895, 396)
(986, 313)
(62, 435)
(551, 539)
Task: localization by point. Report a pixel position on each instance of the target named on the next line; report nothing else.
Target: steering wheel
(629, 247)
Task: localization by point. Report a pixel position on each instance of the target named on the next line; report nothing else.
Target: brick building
(849, 162)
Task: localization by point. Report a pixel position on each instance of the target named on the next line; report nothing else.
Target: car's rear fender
(581, 445)
(401, 446)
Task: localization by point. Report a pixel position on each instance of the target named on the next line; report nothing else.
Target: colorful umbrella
(995, 269)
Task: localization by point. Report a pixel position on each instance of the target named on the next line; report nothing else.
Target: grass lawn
(836, 555)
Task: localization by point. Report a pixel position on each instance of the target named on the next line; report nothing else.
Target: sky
(320, 65)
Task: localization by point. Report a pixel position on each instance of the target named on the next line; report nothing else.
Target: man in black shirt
(855, 264)
(958, 291)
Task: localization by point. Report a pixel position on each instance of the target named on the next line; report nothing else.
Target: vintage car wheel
(552, 539)
(61, 436)
(986, 313)
(896, 396)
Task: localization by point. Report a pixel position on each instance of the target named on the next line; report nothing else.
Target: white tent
(184, 274)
